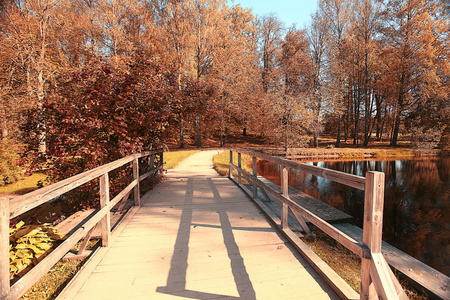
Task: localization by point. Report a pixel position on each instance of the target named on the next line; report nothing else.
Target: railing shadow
(176, 281)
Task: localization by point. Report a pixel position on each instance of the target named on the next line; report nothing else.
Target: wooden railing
(17, 206)
(377, 279)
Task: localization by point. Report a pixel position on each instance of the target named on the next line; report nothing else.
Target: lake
(417, 201)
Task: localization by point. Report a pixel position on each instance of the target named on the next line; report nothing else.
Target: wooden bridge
(199, 236)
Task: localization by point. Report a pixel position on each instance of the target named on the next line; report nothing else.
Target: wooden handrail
(10, 209)
(377, 279)
(351, 180)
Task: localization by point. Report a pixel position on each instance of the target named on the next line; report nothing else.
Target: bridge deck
(198, 236)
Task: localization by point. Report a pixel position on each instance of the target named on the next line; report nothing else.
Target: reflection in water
(416, 209)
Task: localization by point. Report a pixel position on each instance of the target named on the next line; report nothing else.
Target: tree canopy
(95, 80)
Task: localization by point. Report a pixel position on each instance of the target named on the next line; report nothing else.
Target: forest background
(85, 82)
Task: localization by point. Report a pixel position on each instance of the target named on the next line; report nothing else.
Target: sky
(288, 11)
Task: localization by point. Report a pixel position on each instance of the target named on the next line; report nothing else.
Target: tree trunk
(316, 139)
(181, 137)
(396, 130)
(338, 138)
(199, 135)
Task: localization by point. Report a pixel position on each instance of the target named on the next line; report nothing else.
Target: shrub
(28, 245)
(9, 170)
(422, 138)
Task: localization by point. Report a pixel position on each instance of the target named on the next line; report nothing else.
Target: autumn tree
(233, 73)
(413, 58)
(336, 14)
(32, 28)
(297, 79)
(317, 38)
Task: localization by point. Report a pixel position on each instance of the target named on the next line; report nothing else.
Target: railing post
(255, 176)
(240, 166)
(152, 166)
(230, 173)
(285, 192)
(4, 247)
(137, 195)
(104, 200)
(372, 228)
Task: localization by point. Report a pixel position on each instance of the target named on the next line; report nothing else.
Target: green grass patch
(172, 159)
(221, 162)
(25, 185)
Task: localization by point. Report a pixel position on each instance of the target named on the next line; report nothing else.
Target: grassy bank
(221, 162)
(358, 153)
(25, 185)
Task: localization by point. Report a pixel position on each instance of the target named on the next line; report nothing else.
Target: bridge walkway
(198, 236)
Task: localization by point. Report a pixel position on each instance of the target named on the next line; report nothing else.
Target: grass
(353, 153)
(348, 265)
(24, 185)
(53, 282)
(172, 159)
(221, 162)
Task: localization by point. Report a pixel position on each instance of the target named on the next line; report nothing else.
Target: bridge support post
(230, 172)
(4, 248)
(104, 200)
(137, 195)
(285, 192)
(255, 176)
(377, 279)
(240, 166)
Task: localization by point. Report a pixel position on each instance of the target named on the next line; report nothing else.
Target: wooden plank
(255, 175)
(21, 286)
(319, 208)
(382, 278)
(304, 226)
(373, 230)
(137, 191)
(348, 242)
(33, 199)
(373, 211)
(230, 172)
(105, 223)
(357, 182)
(285, 192)
(32, 276)
(333, 279)
(4, 247)
(418, 273)
(85, 241)
(240, 167)
(398, 287)
(73, 286)
(150, 173)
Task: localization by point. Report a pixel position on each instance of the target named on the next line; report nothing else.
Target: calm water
(417, 201)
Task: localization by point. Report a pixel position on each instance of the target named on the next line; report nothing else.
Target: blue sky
(288, 11)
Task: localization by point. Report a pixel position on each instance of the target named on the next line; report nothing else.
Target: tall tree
(412, 45)
(317, 35)
(32, 27)
(271, 31)
(337, 15)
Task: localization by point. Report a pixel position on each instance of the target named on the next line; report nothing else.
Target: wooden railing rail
(377, 279)
(11, 208)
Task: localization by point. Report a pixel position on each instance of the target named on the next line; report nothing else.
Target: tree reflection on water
(416, 209)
